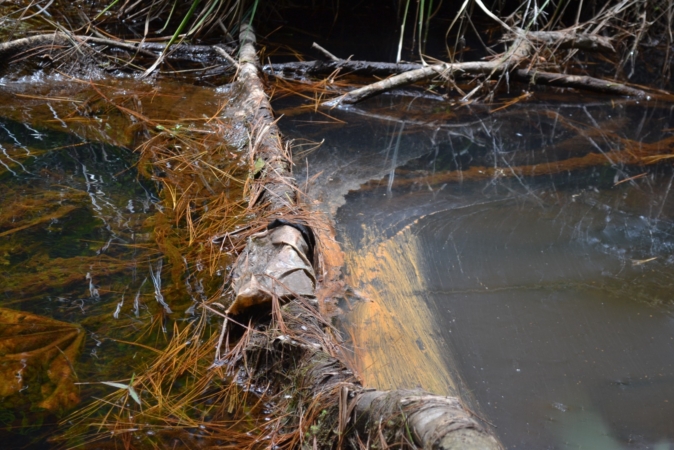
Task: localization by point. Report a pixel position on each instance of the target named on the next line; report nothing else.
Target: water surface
(528, 248)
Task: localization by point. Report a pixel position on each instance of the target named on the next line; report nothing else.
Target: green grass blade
(107, 8)
(117, 385)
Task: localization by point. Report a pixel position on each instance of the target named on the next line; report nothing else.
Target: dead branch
(577, 82)
(42, 43)
(517, 52)
(325, 52)
(406, 78)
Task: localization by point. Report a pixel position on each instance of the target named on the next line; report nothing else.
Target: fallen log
(267, 151)
(320, 399)
(301, 69)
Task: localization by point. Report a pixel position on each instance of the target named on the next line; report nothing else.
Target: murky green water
(552, 293)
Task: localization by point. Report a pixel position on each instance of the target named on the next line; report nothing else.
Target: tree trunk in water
(296, 355)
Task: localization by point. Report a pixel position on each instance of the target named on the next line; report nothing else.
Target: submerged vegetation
(126, 165)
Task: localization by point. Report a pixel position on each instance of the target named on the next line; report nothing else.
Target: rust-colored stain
(392, 328)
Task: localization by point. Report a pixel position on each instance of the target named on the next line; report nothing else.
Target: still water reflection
(550, 296)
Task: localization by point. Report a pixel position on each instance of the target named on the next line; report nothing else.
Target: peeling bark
(329, 404)
(277, 187)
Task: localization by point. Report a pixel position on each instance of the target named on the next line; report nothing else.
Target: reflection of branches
(566, 142)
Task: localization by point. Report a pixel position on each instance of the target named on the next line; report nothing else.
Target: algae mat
(395, 338)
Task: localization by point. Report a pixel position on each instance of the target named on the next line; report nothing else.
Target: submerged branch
(35, 45)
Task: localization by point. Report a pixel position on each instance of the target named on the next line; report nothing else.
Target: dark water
(97, 272)
(77, 246)
(553, 292)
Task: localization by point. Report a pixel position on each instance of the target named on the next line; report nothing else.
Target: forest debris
(382, 69)
(522, 47)
(563, 39)
(44, 43)
(517, 52)
(273, 265)
(443, 70)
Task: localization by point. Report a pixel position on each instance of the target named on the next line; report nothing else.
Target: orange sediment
(392, 328)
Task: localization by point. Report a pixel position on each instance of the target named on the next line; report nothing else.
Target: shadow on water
(529, 247)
